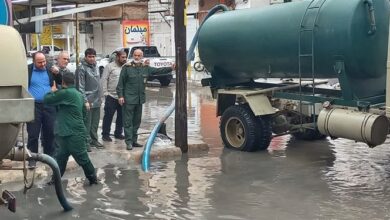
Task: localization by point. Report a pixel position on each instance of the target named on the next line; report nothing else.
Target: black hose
(56, 176)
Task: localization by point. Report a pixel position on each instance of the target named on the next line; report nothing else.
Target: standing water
(329, 179)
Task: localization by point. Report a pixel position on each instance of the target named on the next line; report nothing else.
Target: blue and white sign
(5, 12)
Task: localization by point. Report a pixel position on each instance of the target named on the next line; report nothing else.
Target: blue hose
(153, 134)
(215, 9)
(190, 55)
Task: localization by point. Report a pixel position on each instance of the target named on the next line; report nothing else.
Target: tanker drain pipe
(16, 154)
(44, 158)
(190, 54)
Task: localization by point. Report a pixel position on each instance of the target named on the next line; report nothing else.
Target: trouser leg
(56, 146)
(34, 128)
(95, 118)
(87, 123)
(49, 114)
(78, 150)
(119, 120)
(128, 111)
(137, 116)
(62, 154)
(109, 111)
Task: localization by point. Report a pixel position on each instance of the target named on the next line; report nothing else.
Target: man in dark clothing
(40, 82)
(69, 127)
(131, 93)
(110, 81)
(88, 83)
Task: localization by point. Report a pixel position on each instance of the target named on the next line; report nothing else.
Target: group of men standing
(67, 105)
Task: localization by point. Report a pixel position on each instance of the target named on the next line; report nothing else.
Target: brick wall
(130, 12)
(136, 12)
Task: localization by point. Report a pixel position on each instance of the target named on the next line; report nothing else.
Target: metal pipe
(77, 38)
(88, 7)
(371, 16)
(49, 8)
(68, 37)
(273, 89)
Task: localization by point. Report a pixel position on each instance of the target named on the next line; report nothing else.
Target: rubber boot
(92, 179)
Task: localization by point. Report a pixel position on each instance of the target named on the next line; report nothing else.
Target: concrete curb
(158, 153)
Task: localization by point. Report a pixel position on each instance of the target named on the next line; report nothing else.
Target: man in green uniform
(131, 94)
(69, 127)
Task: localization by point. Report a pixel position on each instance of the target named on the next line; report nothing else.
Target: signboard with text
(135, 33)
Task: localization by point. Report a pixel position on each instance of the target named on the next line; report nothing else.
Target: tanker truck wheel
(242, 130)
(264, 133)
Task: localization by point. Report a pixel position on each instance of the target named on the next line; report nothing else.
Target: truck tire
(165, 81)
(242, 130)
(264, 134)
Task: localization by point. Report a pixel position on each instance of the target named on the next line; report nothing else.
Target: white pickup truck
(151, 53)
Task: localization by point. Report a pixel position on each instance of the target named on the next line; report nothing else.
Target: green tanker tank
(310, 39)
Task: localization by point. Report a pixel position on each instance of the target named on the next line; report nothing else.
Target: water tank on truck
(241, 45)
(316, 39)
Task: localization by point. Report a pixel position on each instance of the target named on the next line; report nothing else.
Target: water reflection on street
(329, 179)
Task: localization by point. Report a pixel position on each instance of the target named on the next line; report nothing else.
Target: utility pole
(181, 133)
(77, 39)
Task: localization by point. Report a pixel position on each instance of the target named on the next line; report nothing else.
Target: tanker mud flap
(257, 101)
(260, 104)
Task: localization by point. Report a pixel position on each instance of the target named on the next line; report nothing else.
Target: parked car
(48, 49)
(155, 60)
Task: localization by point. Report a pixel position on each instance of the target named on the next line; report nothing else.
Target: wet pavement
(328, 179)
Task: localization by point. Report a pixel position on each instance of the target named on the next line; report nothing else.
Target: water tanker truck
(17, 108)
(311, 42)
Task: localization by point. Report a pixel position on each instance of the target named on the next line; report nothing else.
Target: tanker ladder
(306, 55)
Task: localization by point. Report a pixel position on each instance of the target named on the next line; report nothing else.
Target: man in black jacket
(40, 82)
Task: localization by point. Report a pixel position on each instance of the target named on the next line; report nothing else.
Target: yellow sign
(47, 35)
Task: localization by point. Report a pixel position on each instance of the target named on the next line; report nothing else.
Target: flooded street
(329, 179)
